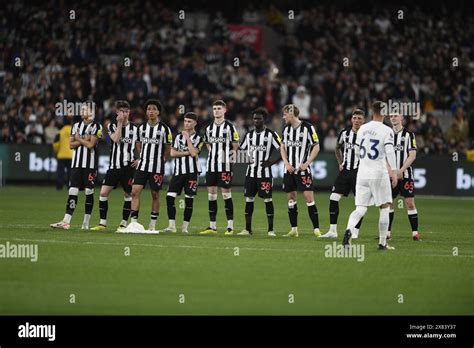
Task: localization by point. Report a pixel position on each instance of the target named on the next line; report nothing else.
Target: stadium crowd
(329, 62)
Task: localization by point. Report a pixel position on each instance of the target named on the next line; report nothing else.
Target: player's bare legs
(412, 218)
(312, 211)
(229, 209)
(136, 191)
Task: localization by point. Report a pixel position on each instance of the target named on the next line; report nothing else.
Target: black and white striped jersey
(259, 147)
(84, 157)
(347, 139)
(298, 143)
(187, 164)
(153, 140)
(122, 153)
(220, 138)
(404, 142)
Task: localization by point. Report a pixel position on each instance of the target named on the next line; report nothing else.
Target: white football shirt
(372, 138)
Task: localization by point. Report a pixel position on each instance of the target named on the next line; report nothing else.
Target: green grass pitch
(269, 276)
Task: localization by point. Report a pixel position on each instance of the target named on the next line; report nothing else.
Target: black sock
(293, 215)
(127, 207)
(171, 207)
(212, 210)
(333, 212)
(270, 211)
(359, 223)
(103, 208)
(154, 215)
(390, 220)
(188, 208)
(229, 208)
(134, 214)
(248, 215)
(313, 215)
(89, 204)
(413, 218)
(71, 204)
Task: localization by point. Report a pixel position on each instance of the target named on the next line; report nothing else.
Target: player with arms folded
(84, 138)
(299, 149)
(263, 148)
(222, 141)
(405, 152)
(346, 179)
(376, 169)
(185, 150)
(122, 162)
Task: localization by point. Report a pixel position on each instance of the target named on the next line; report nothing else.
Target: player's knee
(73, 191)
(212, 196)
(335, 197)
(410, 205)
(267, 200)
(89, 191)
(361, 210)
(250, 199)
(226, 195)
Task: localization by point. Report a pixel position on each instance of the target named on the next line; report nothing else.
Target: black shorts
(297, 182)
(345, 182)
(124, 176)
(220, 179)
(188, 182)
(82, 178)
(405, 187)
(155, 179)
(262, 186)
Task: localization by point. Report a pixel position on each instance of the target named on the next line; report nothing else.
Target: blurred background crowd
(325, 59)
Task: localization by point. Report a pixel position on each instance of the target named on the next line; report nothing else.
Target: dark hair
(122, 104)
(358, 112)
(377, 107)
(219, 102)
(191, 116)
(292, 109)
(154, 102)
(260, 111)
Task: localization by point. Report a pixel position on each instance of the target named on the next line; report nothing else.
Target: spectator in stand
(302, 100)
(34, 131)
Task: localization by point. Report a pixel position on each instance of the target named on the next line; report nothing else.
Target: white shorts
(373, 191)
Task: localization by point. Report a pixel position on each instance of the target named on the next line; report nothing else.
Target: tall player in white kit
(377, 158)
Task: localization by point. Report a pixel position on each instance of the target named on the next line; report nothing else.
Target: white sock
(87, 218)
(355, 217)
(172, 224)
(123, 223)
(333, 228)
(67, 218)
(383, 225)
(356, 230)
(152, 224)
(185, 225)
(134, 219)
(414, 233)
(103, 222)
(294, 229)
(230, 224)
(213, 225)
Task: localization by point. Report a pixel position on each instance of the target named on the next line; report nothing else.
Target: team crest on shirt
(301, 135)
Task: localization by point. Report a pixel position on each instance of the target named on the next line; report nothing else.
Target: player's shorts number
(409, 186)
(306, 180)
(225, 177)
(158, 178)
(373, 149)
(91, 177)
(266, 185)
(193, 184)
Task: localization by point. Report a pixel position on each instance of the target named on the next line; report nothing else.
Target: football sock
(270, 212)
(356, 216)
(70, 207)
(212, 209)
(103, 208)
(134, 215)
(413, 217)
(390, 217)
(188, 210)
(333, 212)
(89, 203)
(383, 225)
(171, 207)
(359, 223)
(248, 215)
(127, 207)
(229, 212)
(293, 213)
(153, 218)
(313, 214)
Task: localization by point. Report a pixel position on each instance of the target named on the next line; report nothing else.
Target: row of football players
(152, 140)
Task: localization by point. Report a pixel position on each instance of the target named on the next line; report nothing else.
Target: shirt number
(374, 153)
